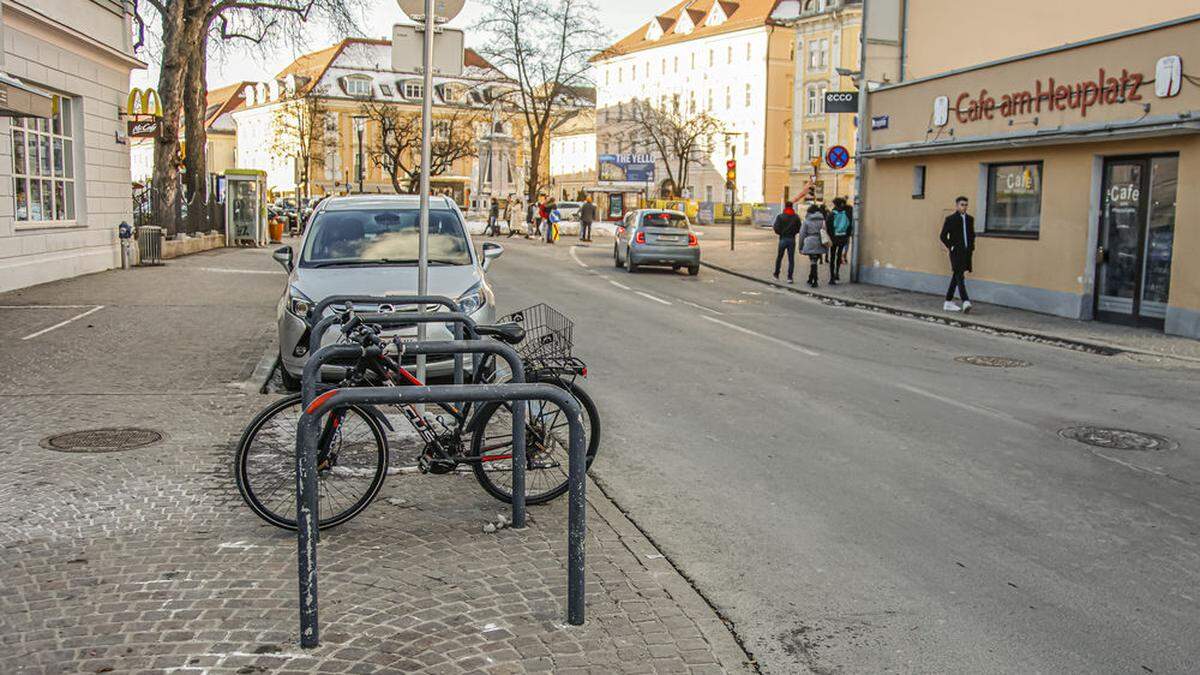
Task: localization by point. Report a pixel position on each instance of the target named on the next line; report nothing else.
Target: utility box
(245, 207)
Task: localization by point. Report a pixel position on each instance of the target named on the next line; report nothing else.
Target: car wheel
(629, 264)
(617, 257)
(693, 270)
(290, 382)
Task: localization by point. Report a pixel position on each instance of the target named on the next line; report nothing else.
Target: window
(44, 166)
(815, 143)
(414, 89)
(633, 72)
(693, 60)
(606, 74)
(709, 101)
(728, 98)
(386, 89)
(816, 99)
(358, 86)
(1014, 199)
(729, 54)
(711, 58)
(748, 94)
(818, 54)
(664, 66)
(647, 69)
(749, 51)
(676, 60)
(918, 186)
(692, 103)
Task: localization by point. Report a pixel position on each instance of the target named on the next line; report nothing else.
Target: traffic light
(731, 173)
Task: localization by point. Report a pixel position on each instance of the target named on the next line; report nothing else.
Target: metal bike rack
(323, 323)
(307, 490)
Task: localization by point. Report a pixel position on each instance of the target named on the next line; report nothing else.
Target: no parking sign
(837, 157)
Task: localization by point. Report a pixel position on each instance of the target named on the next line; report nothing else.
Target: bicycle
(352, 449)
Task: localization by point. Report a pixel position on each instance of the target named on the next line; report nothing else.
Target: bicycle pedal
(423, 464)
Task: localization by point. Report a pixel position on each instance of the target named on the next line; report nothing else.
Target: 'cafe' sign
(1049, 96)
(144, 128)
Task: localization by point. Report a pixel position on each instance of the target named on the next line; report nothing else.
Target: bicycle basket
(547, 332)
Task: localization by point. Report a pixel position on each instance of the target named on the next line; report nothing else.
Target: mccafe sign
(144, 128)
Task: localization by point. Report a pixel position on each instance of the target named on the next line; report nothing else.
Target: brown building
(1081, 161)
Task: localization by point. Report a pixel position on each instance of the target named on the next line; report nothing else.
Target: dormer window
(414, 89)
(685, 24)
(358, 86)
(654, 31)
(720, 13)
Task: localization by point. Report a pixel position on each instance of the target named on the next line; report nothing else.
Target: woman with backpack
(841, 227)
(812, 244)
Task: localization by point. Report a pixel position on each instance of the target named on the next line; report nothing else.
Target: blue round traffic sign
(837, 157)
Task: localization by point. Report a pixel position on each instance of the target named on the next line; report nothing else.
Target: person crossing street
(958, 236)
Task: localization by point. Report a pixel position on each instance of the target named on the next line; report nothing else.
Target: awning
(18, 99)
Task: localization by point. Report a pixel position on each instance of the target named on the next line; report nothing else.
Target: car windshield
(672, 220)
(383, 237)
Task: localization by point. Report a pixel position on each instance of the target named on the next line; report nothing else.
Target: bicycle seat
(510, 333)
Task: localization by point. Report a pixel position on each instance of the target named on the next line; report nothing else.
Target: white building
(64, 176)
(573, 156)
(731, 60)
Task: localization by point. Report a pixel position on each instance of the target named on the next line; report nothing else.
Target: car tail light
(640, 238)
(692, 240)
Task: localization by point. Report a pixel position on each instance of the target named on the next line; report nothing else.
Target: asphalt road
(854, 499)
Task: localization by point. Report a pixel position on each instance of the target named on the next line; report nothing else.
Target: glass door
(1137, 225)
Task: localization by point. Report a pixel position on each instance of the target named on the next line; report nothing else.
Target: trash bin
(150, 242)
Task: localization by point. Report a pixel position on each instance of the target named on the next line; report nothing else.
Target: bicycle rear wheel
(354, 465)
(547, 443)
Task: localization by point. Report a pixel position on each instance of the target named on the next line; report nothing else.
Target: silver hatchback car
(656, 237)
(368, 246)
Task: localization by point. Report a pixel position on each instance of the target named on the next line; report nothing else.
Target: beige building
(1081, 161)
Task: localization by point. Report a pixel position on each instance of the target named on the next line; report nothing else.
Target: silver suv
(367, 246)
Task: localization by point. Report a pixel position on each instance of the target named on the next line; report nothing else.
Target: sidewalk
(145, 560)
(754, 258)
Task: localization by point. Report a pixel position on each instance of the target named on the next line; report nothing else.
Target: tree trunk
(166, 145)
(195, 93)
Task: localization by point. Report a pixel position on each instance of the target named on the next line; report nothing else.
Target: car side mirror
(491, 251)
(283, 256)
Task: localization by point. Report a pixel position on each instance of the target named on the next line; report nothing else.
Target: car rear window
(383, 236)
(673, 220)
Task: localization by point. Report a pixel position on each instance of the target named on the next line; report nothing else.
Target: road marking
(965, 406)
(576, 258)
(768, 338)
(651, 297)
(619, 285)
(63, 323)
(45, 306)
(707, 309)
(227, 270)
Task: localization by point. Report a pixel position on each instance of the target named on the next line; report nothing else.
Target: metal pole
(732, 213)
(360, 159)
(426, 158)
(860, 144)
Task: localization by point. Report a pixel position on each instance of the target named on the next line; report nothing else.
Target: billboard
(627, 168)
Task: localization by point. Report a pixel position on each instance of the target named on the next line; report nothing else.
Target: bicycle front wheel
(547, 444)
(352, 463)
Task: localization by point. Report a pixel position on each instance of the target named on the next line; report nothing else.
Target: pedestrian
(787, 226)
(841, 227)
(543, 215)
(958, 236)
(587, 216)
(552, 219)
(810, 241)
(531, 215)
(493, 229)
(515, 212)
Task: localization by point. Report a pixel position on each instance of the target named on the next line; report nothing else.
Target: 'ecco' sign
(841, 101)
(1106, 89)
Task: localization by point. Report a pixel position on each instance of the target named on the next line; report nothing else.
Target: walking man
(493, 229)
(587, 216)
(787, 226)
(958, 236)
(841, 226)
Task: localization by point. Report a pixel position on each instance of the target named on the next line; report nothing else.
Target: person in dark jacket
(493, 215)
(587, 216)
(841, 227)
(531, 219)
(810, 241)
(958, 236)
(787, 225)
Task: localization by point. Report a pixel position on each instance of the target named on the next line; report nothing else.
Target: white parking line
(576, 258)
(619, 285)
(965, 406)
(768, 338)
(63, 323)
(45, 306)
(707, 309)
(651, 297)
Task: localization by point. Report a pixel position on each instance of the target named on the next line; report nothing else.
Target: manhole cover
(102, 440)
(993, 361)
(1118, 439)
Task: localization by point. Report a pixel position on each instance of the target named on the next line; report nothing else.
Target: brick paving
(146, 560)
(754, 256)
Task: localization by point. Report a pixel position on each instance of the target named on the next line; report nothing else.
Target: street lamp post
(360, 123)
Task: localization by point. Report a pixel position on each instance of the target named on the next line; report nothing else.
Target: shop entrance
(1137, 231)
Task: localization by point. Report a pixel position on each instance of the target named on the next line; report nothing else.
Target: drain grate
(1118, 439)
(102, 440)
(993, 361)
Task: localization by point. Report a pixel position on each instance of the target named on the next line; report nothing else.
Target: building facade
(732, 61)
(354, 79)
(1082, 164)
(64, 173)
(573, 156)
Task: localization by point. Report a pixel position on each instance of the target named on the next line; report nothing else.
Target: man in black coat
(587, 216)
(787, 226)
(958, 236)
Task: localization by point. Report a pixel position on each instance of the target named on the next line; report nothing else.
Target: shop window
(918, 185)
(44, 166)
(1014, 199)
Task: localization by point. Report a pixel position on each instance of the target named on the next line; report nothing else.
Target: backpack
(841, 223)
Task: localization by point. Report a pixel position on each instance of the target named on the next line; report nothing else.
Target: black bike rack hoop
(307, 489)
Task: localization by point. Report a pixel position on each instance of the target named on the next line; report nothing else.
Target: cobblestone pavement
(146, 561)
(754, 256)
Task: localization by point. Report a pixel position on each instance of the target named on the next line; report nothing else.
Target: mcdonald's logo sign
(143, 102)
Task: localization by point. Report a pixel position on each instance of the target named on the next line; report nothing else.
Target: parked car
(656, 237)
(569, 210)
(367, 246)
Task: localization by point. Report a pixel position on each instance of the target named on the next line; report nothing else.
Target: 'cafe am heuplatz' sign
(1107, 88)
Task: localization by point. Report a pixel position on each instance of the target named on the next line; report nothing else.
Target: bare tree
(398, 146)
(545, 47)
(681, 138)
(298, 132)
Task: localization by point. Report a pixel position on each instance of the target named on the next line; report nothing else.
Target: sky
(620, 17)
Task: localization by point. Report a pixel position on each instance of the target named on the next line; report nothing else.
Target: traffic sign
(837, 157)
(443, 10)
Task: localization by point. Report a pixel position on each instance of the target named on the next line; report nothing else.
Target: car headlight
(298, 303)
(472, 300)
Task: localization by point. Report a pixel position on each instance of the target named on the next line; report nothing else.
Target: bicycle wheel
(350, 476)
(547, 445)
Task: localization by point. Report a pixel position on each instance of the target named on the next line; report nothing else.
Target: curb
(717, 630)
(263, 370)
(1007, 331)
